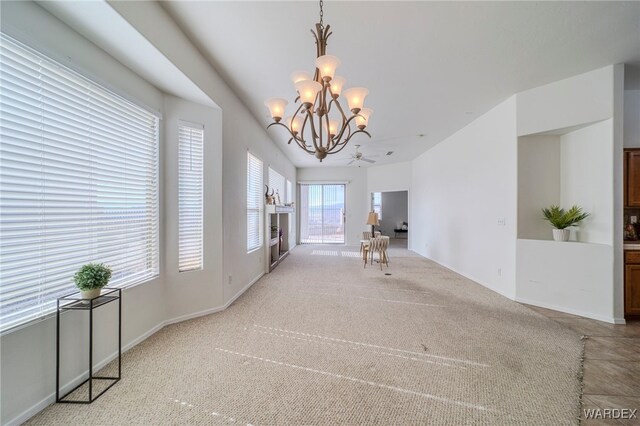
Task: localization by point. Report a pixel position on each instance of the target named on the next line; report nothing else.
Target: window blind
(190, 196)
(289, 197)
(276, 182)
(78, 183)
(255, 202)
(322, 213)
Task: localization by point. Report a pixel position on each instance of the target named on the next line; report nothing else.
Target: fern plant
(561, 219)
(92, 276)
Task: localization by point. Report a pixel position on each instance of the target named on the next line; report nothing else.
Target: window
(376, 203)
(276, 183)
(190, 196)
(289, 197)
(255, 201)
(322, 213)
(78, 183)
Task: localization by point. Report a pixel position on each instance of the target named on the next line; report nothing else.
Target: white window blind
(255, 202)
(78, 183)
(190, 196)
(289, 197)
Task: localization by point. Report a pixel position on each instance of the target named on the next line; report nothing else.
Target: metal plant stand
(73, 302)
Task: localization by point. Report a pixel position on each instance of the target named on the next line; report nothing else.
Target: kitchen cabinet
(632, 282)
(632, 177)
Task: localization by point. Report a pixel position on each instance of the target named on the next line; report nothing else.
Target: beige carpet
(323, 341)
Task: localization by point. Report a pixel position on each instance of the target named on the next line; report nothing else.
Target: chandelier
(320, 126)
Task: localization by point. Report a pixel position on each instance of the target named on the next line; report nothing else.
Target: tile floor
(611, 365)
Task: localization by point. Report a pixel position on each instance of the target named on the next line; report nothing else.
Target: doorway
(393, 211)
(322, 213)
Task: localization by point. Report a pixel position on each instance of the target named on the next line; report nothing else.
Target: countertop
(632, 245)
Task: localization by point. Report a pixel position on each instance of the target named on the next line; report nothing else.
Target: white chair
(366, 236)
(380, 245)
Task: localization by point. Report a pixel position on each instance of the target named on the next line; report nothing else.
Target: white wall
(585, 98)
(357, 199)
(586, 157)
(586, 111)
(538, 183)
(193, 291)
(632, 118)
(395, 210)
(459, 190)
(569, 277)
(389, 177)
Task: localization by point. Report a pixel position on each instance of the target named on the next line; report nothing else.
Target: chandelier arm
(346, 126)
(292, 136)
(314, 135)
(347, 140)
(344, 117)
(326, 122)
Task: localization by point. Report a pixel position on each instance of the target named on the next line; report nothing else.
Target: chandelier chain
(321, 14)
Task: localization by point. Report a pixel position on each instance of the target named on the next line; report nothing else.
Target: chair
(380, 245)
(383, 253)
(377, 233)
(366, 236)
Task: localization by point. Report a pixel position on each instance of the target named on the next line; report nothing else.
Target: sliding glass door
(322, 213)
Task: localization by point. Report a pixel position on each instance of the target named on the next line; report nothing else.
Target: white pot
(90, 294)
(561, 234)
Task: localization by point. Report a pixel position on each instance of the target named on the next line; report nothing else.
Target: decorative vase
(561, 234)
(90, 294)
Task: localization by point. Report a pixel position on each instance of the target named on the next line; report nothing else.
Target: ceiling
(431, 67)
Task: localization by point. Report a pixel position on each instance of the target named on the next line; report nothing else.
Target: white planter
(91, 294)
(561, 234)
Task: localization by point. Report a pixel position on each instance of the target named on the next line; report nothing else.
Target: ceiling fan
(358, 156)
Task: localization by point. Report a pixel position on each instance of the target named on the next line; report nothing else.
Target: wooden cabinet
(632, 178)
(632, 283)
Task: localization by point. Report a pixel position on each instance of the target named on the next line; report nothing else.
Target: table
(74, 302)
(399, 231)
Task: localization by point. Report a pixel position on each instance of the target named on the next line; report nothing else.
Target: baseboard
(590, 315)
(50, 399)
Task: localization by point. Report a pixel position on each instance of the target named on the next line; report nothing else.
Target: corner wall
(463, 200)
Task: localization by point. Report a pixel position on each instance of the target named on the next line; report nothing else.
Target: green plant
(92, 275)
(561, 219)
(274, 228)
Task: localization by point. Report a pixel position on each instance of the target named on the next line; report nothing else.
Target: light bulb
(276, 107)
(294, 123)
(355, 98)
(327, 65)
(308, 89)
(336, 85)
(362, 119)
(297, 76)
(333, 127)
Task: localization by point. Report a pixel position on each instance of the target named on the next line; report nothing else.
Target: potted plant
(274, 231)
(91, 278)
(562, 220)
